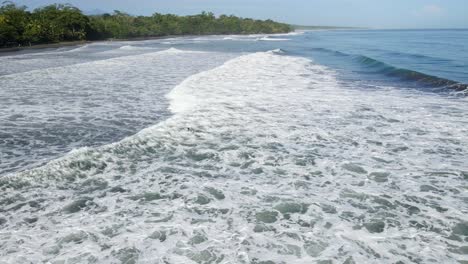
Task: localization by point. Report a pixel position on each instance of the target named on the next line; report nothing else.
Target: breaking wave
(265, 159)
(272, 39)
(130, 47)
(410, 75)
(381, 67)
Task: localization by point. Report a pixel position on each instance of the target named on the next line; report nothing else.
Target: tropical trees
(51, 23)
(58, 22)
(63, 22)
(13, 21)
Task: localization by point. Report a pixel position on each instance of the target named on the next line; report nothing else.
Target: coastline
(43, 46)
(3, 51)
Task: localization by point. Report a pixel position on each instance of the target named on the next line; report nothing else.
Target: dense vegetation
(58, 22)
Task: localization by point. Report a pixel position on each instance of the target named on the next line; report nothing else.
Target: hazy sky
(364, 13)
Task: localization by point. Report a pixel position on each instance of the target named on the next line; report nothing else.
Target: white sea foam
(40, 52)
(130, 47)
(272, 39)
(79, 48)
(294, 33)
(266, 158)
(174, 50)
(89, 110)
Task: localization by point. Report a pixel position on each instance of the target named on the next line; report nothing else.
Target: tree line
(64, 22)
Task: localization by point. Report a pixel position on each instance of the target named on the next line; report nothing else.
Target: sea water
(310, 147)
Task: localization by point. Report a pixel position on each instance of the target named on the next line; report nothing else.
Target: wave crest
(410, 75)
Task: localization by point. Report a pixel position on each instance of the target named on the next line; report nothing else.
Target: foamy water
(48, 112)
(265, 158)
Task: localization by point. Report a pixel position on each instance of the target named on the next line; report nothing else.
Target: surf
(372, 65)
(265, 157)
(410, 75)
(137, 75)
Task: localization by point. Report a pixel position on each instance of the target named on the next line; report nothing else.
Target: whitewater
(194, 154)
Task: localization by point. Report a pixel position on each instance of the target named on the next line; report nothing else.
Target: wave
(80, 48)
(294, 33)
(272, 39)
(175, 50)
(42, 52)
(416, 56)
(259, 161)
(277, 51)
(380, 67)
(330, 51)
(241, 38)
(98, 61)
(259, 37)
(409, 75)
(130, 47)
(182, 98)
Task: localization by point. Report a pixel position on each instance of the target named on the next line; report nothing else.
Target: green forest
(64, 22)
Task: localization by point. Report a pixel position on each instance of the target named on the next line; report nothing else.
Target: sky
(356, 13)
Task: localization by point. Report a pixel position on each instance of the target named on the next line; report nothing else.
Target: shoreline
(44, 46)
(4, 51)
(78, 43)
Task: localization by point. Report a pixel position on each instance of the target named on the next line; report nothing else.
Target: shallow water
(254, 157)
(48, 112)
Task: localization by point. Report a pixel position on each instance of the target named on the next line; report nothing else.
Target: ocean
(340, 146)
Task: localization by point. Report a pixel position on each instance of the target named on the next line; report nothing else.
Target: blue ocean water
(434, 58)
(344, 146)
(401, 58)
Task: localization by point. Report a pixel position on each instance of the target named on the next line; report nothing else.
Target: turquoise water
(440, 56)
(311, 147)
(427, 59)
